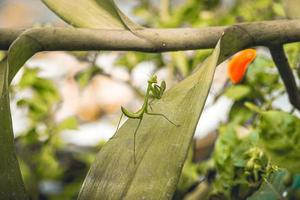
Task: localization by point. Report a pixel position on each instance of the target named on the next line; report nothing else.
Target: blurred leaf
(279, 134)
(11, 183)
(37, 107)
(132, 59)
(68, 123)
(239, 164)
(278, 9)
(101, 14)
(28, 77)
(262, 73)
(239, 113)
(266, 191)
(292, 8)
(46, 162)
(189, 175)
(2, 55)
(83, 77)
(238, 92)
(292, 50)
(180, 62)
(161, 146)
(45, 89)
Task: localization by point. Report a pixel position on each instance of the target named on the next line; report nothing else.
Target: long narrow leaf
(102, 14)
(11, 183)
(161, 147)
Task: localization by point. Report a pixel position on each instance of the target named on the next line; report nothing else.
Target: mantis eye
(237, 66)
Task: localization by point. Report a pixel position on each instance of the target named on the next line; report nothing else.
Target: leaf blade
(11, 184)
(146, 180)
(102, 14)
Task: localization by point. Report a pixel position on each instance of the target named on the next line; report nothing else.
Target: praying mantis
(154, 91)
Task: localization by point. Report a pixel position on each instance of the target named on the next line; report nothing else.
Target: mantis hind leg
(117, 126)
(164, 116)
(134, 139)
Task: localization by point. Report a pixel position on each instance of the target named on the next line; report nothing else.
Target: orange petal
(237, 66)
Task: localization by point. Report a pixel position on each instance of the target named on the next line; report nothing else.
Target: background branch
(286, 74)
(264, 33)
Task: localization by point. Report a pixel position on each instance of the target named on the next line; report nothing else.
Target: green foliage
(44, 158)
(240, 166)
(238, 92)
(271, 190)
(247, 149)
(279, 133)
(189, 176)
(85, 76)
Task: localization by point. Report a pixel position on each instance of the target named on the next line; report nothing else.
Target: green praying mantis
(154, 91)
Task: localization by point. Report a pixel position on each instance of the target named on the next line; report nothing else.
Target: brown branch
(7, 36)
(158, 40)
(286, 74)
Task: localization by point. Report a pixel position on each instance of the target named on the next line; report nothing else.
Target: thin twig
(286, 74)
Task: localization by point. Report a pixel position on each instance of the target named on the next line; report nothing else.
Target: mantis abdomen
(136, 115)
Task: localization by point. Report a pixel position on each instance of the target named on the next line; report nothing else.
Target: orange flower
(238, 64)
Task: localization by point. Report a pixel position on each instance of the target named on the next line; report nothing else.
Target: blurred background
(65, 105)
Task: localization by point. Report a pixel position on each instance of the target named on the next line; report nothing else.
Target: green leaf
(161, 147)
(279, 134)
(271, 190)
(239, 113)
(292, 8)
(238, 92)
(180, 62)
(68, 123)
(101, 14)
(23, 48)
(11, 183)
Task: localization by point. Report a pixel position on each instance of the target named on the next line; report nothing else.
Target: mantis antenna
(154, 91)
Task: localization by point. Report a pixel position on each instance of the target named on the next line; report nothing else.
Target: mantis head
(153, 79)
